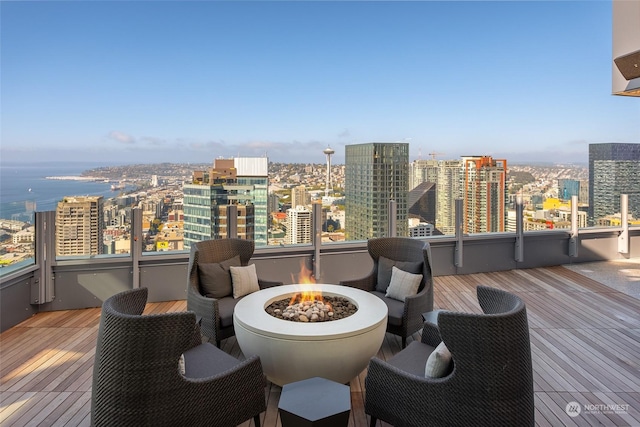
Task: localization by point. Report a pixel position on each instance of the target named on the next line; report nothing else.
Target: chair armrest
(196, 337)
(244, 384)
(431, 334)
(205, 309)
(367, 283)
(414, 306)
(392, 391)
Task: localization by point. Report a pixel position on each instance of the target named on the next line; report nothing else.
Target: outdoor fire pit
(292, 351)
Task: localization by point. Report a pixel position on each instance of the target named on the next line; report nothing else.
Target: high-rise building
(375, 173)
(614, 169)
(300, 196)
(568, 188)
(422, 171)
(79, 226)
(448, 190)
(422, 202)
(298, 225)
(241, 181)
(273, 203)
(583, 195)
(484, 194)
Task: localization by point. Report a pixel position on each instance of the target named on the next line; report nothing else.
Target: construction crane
(433, 154)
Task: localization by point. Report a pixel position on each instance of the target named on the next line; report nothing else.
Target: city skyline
(145, 82)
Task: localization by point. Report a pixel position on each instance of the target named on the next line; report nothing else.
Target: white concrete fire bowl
(290, 351)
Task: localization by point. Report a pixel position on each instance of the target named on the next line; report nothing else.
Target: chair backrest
(218, 250)
(402, 249)
(136, 357)
(491, 354)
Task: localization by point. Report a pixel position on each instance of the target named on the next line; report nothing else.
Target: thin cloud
(121, 137)
(153, 140)
(204, 146)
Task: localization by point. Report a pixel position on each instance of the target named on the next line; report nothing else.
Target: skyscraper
(300, 196)
(298, 225)
(79, 226)
(448, 190)
(484, 195)
(568, 188)
(375, 173)
(614, 169)
(422, 202)
(273, 202)
(422, 171)
(240, 181)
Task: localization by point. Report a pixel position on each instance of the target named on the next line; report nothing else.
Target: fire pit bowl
(292, 351)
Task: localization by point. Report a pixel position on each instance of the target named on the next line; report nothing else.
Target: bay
(25, 189)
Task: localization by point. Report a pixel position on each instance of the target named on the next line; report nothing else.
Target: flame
(305, 278)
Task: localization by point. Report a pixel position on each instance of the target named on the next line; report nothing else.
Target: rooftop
(584, 329)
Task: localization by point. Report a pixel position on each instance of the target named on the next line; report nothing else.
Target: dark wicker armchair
(405, 318)
(216, 314)
(490, 381)
(137, 380)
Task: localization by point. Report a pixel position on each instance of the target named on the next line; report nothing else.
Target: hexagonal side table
(316, 402)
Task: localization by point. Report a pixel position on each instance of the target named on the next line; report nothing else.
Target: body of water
(25, 189)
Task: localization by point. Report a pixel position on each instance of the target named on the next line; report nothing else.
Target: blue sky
(147, 81)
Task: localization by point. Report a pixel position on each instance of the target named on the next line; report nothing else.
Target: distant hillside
(520, 177)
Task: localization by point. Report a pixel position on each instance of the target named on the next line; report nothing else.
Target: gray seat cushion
(207, 360)
(226, 306)
(395, 307)
(413, 358)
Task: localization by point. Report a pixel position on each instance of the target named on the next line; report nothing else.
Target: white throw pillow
(244, 280)
(438, 362)
(402, 284)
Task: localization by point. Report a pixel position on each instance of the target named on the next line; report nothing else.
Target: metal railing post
(136, 245)
(393, 218)
(519, 248)
(232, 221)
(317, 238)
(459, 233)
(573, 240)
(42, 289)
(623, 238)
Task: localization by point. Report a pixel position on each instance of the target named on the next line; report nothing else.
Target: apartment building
(79, 226)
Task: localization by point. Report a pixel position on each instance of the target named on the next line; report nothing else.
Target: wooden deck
(585, 340)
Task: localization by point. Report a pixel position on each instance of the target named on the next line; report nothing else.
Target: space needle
(328, 152)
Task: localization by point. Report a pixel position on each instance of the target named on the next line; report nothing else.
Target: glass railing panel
(174, 215)
(27, 188)
(17, 207)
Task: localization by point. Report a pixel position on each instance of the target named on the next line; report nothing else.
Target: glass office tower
(375, 173)
(614, 169)
(240, 181)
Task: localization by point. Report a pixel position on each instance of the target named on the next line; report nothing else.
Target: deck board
(585, 341)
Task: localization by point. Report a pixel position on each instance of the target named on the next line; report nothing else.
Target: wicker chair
(216, 314)
(137, 379)
(490, 382)
(404, 318)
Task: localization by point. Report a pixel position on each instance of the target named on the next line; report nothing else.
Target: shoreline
(76, 178)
